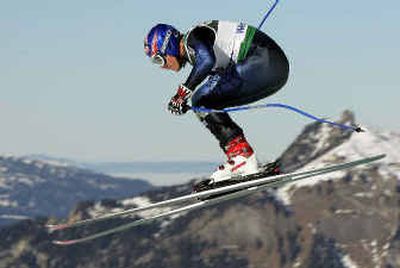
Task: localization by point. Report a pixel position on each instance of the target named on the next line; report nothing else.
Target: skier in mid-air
(238, 64)
(233, 64)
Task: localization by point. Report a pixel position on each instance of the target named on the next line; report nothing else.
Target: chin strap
(354, 128)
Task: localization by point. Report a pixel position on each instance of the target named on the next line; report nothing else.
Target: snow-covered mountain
(31, 188)
(358, 209)
(343, 219)
(314, 141)
(370, 143)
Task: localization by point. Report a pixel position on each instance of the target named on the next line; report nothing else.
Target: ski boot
(241, 162)
(267, 170)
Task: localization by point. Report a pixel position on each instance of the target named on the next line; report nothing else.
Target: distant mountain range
(31, 188)
(343, 219)
(130, 167)
(153, 167)
(155, 172)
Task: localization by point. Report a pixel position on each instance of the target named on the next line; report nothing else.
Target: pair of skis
(199, 200)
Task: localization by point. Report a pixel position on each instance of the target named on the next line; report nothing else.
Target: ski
(272, 183)
(214, 192)
(191, 207)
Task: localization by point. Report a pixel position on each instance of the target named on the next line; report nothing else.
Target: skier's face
(172, 63)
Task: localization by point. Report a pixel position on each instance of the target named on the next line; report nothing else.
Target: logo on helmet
(162, 40)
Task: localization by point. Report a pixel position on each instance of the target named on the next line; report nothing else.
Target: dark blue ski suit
(260, 73)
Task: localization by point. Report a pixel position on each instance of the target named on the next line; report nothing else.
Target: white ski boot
(241, 161)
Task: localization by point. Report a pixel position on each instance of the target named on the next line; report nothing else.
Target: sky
(75, 83)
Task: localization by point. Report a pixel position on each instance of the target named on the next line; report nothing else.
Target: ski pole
(268, 13)
(277, 105)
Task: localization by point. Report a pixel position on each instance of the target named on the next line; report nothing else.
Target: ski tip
(381, 156)
(357, 128)
(56, 227)
(64, 242)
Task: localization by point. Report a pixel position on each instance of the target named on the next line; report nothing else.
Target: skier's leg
(213, 94)
(262, 74)
(241, 157)
(219, 89)
(221, 126)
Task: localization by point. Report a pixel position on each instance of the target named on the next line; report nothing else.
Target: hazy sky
(74, 81)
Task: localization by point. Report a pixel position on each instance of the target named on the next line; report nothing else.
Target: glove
(178, 103)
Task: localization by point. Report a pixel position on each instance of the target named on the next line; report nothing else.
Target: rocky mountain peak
(347, 117)
(315, 140)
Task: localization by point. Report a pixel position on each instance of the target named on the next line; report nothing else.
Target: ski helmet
(162, 40)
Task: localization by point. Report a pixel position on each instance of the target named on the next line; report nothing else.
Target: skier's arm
(203, 63)
(204, 60)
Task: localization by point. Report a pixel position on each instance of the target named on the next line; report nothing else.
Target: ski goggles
(158, 59)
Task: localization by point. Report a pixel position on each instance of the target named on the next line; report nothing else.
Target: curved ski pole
(277, 105)
(195, 196)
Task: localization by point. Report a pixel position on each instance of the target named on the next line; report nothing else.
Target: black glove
(178, 103)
